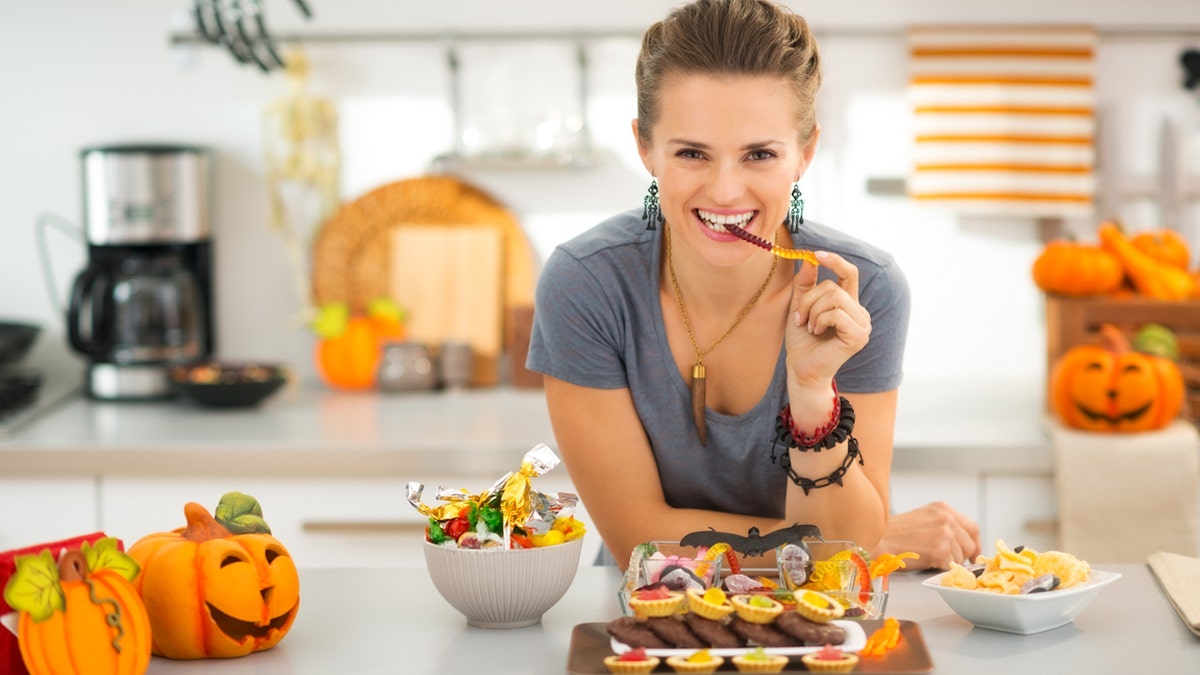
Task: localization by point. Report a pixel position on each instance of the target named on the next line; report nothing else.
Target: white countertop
(389, 621)
(310, 430)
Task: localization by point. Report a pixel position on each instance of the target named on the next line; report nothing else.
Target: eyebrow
(758, 145)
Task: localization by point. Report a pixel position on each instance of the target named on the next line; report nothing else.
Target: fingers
(820, 306)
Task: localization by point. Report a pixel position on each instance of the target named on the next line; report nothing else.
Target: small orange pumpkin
(1068, 268)
(1109, 388)
(1164, 245)
(217, 589)
(351, 359)
(78, 616)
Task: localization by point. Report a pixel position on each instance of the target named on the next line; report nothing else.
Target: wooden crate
(1075, 321)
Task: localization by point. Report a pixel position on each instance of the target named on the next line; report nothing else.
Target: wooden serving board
(590, 644)
(450, 282)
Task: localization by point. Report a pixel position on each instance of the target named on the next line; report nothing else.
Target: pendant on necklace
(698, 375)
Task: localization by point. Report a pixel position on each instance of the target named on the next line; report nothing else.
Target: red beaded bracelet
(805, 441)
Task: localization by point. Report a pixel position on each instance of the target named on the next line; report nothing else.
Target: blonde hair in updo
(729, 37)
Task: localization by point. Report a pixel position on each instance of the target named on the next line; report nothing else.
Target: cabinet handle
(1042, 526)
(361, 527)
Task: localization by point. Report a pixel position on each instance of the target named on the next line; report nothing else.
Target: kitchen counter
(309, 430)
(390, 621)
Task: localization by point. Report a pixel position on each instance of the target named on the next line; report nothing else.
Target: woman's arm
(608, 456)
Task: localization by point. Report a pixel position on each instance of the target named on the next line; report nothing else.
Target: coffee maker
(144, 301)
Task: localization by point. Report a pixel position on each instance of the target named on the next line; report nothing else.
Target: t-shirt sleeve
(578, 331)
(880, 365)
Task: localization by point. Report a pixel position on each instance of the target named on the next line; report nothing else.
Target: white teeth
(717, 222)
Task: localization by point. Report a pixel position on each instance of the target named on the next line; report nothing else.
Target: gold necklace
(699, 374)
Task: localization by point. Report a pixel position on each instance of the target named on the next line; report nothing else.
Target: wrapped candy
(511, 514)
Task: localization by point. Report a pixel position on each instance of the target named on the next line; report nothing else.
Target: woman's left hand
(826, 325)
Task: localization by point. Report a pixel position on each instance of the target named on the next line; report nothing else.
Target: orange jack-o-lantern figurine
(1109, 388)
(219, 588)
(80, 614)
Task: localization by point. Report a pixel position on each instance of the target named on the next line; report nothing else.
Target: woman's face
(725, 149)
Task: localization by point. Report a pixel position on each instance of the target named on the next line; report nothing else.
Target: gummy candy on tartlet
(710, 603)
(699, 662)
(759, 661)
(830, 659)
(656, 601)
(756, 608)
(632, 662)
(818, 607)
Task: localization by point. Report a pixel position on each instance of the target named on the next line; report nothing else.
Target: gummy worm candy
(884, 639)
(714, 552)
(780, 251)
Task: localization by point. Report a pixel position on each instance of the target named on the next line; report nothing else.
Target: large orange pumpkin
(211, 593)
(1164, 245)
(90, 621)
(1110, 388)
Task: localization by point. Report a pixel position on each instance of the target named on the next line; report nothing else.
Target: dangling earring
(651, 212)
(795, 217)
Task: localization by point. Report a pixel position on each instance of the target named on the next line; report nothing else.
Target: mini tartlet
(830, 660)
(710, 603)
(656, 602)
(699, 662)
(759, 661)
(629, 663)
(756, 608)
(818, 607)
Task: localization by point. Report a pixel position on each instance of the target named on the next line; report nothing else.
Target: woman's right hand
(826, 323)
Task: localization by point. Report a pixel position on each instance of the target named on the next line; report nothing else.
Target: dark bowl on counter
(228, 385)
(15, 340)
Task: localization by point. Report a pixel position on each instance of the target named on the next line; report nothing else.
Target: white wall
(77, 73)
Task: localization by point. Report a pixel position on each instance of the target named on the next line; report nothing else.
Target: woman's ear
(810, 148)
(643, 147)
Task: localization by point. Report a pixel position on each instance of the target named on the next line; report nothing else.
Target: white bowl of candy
(1021, 590)
(504, 556)
(503, 588)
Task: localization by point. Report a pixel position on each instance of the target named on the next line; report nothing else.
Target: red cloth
(10, 653)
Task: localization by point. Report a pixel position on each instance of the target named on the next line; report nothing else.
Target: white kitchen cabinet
(1021, 510)
(912, 489)
(337, 522)
(37, 510)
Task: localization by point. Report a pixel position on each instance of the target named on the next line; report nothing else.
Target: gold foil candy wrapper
(455, 499)
(516, 498)
(547, 507)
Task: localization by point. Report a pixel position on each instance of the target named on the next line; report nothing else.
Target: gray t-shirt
(598, 323)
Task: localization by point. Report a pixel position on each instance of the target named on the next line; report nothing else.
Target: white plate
(855, 640)
(1023, 614)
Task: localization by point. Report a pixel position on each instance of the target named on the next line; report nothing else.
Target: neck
(708, 288)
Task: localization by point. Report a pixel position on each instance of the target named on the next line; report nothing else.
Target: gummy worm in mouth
(788, 253)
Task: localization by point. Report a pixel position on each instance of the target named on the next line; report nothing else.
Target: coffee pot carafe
(144, 300)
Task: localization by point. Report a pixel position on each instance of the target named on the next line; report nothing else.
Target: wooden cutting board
(450, 281)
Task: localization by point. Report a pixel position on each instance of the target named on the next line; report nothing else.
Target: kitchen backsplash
(976, 313)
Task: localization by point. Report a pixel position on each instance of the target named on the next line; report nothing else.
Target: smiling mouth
(716, 221)
(240, 630)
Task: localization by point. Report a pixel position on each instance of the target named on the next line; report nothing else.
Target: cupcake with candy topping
(830, 659)
(759, 661)
(710, 603)
(756, 608)
(656, 601)
(702, 661)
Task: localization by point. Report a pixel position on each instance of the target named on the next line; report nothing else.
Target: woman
(639, 320)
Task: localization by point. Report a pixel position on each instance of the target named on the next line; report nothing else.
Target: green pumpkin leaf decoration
(104, 555)
(241, 514)
(34, 588)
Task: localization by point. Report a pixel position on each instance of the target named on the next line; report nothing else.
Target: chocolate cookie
(811, 633)
(714, 633)
(765, 634)
(635, 633)
(673, 630)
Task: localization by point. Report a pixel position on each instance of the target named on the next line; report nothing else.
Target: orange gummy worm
(780, 251)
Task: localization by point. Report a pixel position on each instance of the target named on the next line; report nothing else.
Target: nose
(727, 183)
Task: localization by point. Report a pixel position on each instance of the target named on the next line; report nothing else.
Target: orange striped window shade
(1004, 119)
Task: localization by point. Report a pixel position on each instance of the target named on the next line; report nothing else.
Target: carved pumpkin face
(214, 594)
(1111, 389)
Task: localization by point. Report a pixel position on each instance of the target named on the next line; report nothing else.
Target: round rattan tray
(351, 253)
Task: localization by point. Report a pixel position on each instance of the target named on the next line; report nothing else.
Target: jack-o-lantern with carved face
(1109, 388)
(218, 588)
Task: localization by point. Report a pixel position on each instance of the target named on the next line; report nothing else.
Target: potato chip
(960, 577)
(1071, 571)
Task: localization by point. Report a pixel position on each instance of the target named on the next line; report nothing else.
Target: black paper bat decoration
(752, 544)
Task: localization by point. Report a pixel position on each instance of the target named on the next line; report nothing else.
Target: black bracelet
(808, 484)
(785, 436)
